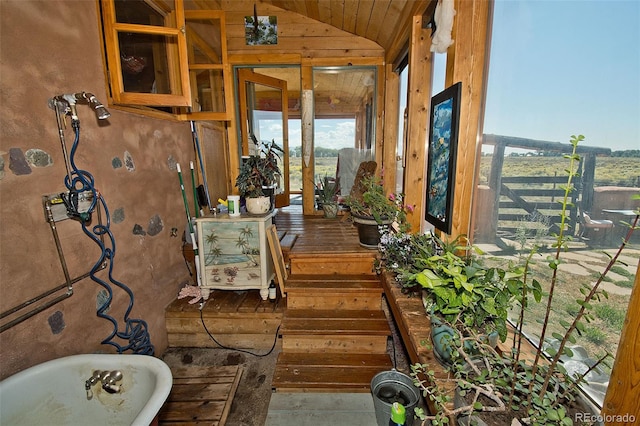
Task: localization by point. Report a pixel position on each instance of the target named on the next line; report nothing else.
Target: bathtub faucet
(109, 380)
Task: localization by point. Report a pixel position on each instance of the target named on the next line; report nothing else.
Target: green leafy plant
(403, 254)
(461, 291)
(377, 204)
(259, 171)
(538, 389)
(327, 189)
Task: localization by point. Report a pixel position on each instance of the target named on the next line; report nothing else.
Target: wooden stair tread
(293, 359)
(338, 327)
(287, 241)
(329, 315)
(336, 378)
(335, 326)
(333, 278)
(332, 285)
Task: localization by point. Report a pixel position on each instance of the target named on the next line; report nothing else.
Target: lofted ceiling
(382, 21)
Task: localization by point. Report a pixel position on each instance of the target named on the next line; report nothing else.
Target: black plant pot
(368, 231)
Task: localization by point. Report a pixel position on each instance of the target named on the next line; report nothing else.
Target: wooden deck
(322, 245)
(241, 319)
(333, 306)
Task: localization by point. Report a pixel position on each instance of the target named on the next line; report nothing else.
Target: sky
(557, 68)
(562, 68)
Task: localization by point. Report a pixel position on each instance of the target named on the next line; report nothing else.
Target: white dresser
(234, 253)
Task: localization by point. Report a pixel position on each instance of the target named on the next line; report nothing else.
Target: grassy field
(610, 171)
(616, 171)
(602, 332)
(324, 166)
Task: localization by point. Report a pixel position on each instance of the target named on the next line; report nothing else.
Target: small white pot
(258, 205)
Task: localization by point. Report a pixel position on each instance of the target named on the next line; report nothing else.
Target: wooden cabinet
(234, 253)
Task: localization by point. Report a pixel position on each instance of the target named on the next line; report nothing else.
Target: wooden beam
(623, 393)
(378, 120)
(306, 127)
(466, 62)
(420, 76)
(390, 130)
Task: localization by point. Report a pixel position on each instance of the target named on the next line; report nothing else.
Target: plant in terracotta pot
(373, 208)
(511, 385)
(257, 175)
(327, 190)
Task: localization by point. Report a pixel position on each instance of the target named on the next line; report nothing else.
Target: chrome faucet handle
(114, 376)
(110, 388)
(104, 376)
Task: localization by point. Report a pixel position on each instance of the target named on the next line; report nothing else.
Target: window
(160, 56)
(344, 121)
(544, 86)
(144, 43)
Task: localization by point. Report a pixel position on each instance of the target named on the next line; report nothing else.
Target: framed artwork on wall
(441, 164)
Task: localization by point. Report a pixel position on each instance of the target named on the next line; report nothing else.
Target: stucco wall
(49, 48)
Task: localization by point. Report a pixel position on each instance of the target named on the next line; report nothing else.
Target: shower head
(68, 104)
(98, 108)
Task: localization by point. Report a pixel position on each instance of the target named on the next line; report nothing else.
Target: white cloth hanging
(444, 25)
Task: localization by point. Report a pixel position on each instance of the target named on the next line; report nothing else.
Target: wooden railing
(534, 201)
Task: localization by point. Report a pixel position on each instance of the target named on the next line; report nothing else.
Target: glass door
(264, 115)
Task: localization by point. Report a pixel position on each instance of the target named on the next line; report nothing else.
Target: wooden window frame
(177, 56)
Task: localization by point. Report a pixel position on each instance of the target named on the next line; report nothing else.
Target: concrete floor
(321, 409)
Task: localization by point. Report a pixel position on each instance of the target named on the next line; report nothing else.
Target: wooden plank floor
(323, 246)
(317, 235)
(200, 395)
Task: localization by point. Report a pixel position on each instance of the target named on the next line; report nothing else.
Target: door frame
(244, 76)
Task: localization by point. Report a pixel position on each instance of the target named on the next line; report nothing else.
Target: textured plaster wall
(49, 48)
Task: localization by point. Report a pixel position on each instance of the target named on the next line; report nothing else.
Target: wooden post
(420, 72)
(466, 62)
(308, 179)
(623, 393)
(390, 135)
(495, 183)
(588, 179)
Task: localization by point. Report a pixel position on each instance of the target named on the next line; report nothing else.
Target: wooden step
(322, 372)
(237, 319)
(354, 331)
(331, 262)
(334, 292)
(346, 322)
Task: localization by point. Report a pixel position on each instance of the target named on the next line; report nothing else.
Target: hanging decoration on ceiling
(260, 30)
(444, 14)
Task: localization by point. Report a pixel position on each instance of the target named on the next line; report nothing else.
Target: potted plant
(533, 389)
(257, 176)
(375, 209)
(327, 190)
(460, 293)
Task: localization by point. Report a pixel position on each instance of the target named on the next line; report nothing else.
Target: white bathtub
(53, 393)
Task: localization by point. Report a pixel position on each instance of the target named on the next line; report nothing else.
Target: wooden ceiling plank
(337, 13)
(350, 16)
(387, 32)
(399, 42)
(312, 9)
(378, 19)
(364, 14)
(324, 11)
